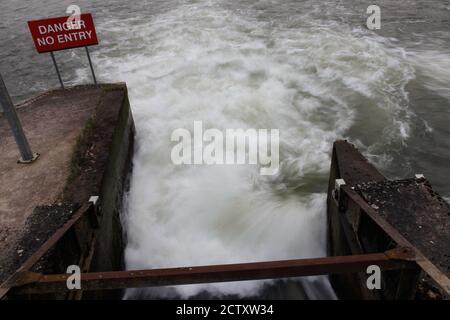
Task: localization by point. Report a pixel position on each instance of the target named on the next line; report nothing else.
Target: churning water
(308, 68)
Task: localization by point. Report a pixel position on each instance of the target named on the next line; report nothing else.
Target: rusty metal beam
(390, 260)
(22, 273)
(426, 265)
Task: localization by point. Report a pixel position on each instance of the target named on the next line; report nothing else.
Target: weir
(70, 212)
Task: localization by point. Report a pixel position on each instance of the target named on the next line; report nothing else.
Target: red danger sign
(63, 33)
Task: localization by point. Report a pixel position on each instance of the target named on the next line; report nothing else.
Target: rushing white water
(308, 68)
(435, 68)
(316, 80)
(201, 61)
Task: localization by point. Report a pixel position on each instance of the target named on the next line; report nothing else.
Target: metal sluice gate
(404, 257)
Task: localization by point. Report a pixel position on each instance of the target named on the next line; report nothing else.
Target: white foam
(434, 65)
(203, 62)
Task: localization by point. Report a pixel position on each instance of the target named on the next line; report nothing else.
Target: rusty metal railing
(404, 257)
(422, 262)
(401, 258)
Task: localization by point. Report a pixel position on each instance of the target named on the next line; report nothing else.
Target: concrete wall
(352, 232)
(102, 162)
(108, 252)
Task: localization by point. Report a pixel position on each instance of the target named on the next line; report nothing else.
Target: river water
(308, 68)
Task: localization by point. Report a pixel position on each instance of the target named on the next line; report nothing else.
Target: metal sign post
(10, 112)
(90, 64)
(57, 70)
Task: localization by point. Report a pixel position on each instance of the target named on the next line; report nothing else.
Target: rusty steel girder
(422, 261)
(399, 258)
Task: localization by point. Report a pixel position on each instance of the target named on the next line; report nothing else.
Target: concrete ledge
(411, 206)
(85, 136)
